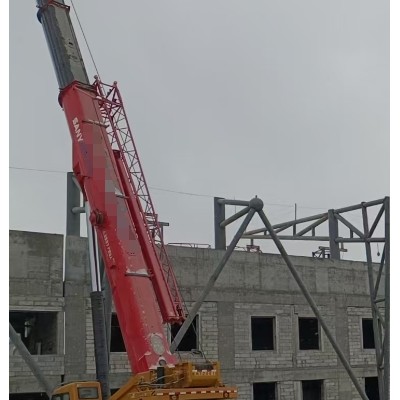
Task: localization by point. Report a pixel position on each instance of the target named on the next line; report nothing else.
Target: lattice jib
(120, 137)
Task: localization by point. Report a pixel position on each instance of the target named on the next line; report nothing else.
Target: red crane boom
(107, 167)
(131, 262)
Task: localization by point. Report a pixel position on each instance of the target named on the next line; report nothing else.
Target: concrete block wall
(76, 292)
(35, 271)
(359, 355)
(35, 278)
(286, 353)
(21, 378)
(208, 328)
(245, 357)
(326, 356)
(245, 390)
(331, 389)
(286, 390)
(119, 363)
(260, 284)
(251, 284)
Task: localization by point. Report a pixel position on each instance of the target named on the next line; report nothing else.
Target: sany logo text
(78, 132)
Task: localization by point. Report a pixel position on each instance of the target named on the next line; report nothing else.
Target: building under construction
(255, 320)
(119, 315)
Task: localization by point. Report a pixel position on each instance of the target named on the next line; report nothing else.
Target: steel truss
(333, 219)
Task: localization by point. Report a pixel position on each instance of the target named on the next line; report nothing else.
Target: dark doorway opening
(312, 390)
(264, 391)
(372, 388)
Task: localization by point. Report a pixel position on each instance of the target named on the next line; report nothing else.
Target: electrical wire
(150, 187)
(39, 170)
(173, 191)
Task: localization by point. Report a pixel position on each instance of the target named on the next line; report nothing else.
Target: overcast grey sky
(286, 100)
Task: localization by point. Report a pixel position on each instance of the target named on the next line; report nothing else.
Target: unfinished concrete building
(255, 320)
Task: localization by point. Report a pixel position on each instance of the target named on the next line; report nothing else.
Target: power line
(150, 187)
(38, 170)
(183, 193)
(174, 191)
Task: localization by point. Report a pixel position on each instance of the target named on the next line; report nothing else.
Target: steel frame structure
(333, 218)
(381, 323)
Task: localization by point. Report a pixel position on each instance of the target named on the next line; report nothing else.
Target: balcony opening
(117, 344)
(37, 330)
(190, 340)
(262, 333)
(264, 391)
(368, 333)
(309, 334)
(312, 390)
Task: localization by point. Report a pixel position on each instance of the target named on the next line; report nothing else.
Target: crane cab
(78, 391)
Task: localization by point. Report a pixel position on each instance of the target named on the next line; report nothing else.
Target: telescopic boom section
(107, 167)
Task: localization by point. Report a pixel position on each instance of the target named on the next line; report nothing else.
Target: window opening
(312, 390)
(37, 330)
(368, 333)
(264, 391)
(309, 334)
(117, 344)
(189, 341)
(372, 388)
(262, 333)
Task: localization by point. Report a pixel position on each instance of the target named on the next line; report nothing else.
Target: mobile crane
(122, 218)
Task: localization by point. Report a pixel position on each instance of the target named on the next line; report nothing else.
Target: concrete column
(342, 338)
(75, 292)
(219, 216)
(226, 352)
